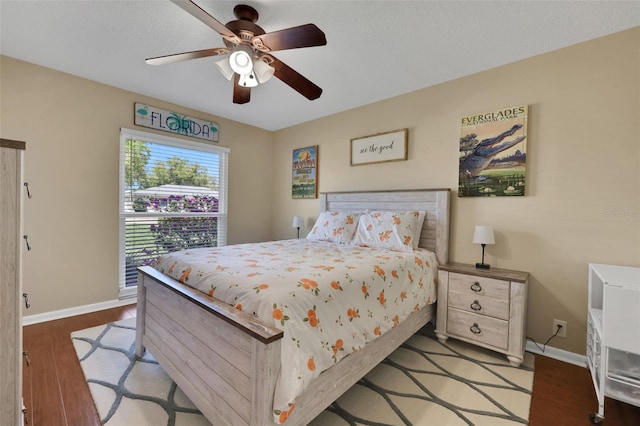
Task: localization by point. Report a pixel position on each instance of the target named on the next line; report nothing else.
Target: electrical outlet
(563, 330)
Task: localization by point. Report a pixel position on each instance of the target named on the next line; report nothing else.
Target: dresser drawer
(488, 331)
(480, 286)
(478, 304)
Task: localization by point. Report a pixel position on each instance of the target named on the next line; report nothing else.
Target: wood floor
(56, 394)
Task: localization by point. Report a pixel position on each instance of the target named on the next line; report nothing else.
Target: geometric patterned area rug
(422, 382)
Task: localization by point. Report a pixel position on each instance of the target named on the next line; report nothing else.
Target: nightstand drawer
(477, 304)
(480, 286)
(479, 328)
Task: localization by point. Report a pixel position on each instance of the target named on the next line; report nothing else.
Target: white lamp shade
(297, 222)
(248, 80)
(225, 68)
(483, 235)
(241, 62)
(263, 71)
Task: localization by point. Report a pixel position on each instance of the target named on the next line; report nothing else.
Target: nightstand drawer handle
(475, 329)
(476, 306)
(476, 287)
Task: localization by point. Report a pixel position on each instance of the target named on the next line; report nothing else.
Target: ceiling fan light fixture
(240, 62)
(263, 71)
(225, 68)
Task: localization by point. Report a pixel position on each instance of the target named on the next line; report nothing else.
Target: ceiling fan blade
(202, 15)
(177, 57)
(292, 38)
(241, 94)
(295, 80)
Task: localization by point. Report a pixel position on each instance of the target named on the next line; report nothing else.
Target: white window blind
(173, 196)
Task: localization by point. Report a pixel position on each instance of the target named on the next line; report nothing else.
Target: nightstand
(486, 307)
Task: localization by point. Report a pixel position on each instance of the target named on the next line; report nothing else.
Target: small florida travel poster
(493, 153)
(305, 172)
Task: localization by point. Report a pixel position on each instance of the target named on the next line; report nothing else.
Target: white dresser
(613, 334)
(10, 285)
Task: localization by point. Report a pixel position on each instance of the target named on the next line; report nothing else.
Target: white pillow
(398, 231)
(335, 226)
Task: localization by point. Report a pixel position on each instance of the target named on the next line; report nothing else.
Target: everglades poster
(305, 173)
(493, 153)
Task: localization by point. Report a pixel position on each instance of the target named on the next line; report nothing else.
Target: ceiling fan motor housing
(245, 13)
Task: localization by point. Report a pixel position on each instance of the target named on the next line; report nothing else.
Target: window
(173, 196)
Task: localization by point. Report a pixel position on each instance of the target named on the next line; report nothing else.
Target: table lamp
(297, 223)
(483, 235)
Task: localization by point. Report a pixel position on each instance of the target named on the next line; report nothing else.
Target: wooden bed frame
(227, 362)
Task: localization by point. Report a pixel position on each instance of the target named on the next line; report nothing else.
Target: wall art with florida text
(305, 172)
(172, 122)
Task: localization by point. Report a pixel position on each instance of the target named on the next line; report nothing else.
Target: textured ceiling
(375, 49)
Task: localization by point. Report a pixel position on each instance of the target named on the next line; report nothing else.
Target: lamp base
(483, 266)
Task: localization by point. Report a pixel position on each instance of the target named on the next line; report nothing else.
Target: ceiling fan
(249, 49)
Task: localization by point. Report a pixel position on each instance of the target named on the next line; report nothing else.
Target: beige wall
(72, 129)
(583, 170)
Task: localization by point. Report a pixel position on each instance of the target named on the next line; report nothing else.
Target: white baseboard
(78, 310)
(559, 354)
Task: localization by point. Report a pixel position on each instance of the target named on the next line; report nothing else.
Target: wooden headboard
(435, 230)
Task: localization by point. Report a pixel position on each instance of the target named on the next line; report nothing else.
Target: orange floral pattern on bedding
(330, 299)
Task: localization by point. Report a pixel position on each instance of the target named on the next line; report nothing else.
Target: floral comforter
(330, 299)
